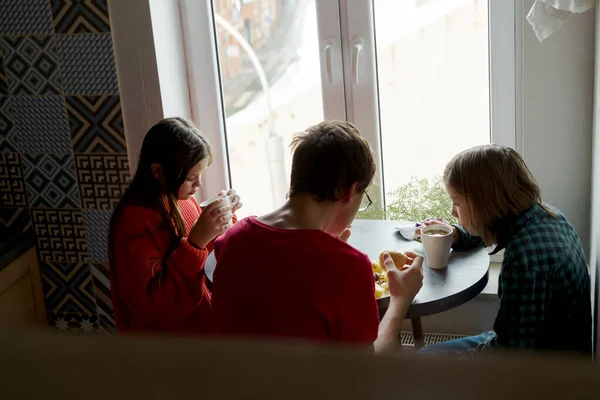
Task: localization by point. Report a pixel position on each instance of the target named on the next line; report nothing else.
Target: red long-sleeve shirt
(149, 297)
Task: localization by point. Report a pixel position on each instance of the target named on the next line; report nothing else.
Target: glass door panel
(433, 81)
(269, 63)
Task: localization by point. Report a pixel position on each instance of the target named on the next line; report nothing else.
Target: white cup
(228, 200)
(233, 197)
(437, 241)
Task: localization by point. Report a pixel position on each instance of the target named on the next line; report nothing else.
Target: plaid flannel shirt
(544, 285)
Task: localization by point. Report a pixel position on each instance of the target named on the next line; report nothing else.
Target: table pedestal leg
(417, 332)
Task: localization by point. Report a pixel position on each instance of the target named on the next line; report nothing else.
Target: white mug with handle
(232, 196)
(230, 199)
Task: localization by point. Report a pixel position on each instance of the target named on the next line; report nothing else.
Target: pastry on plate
(398, 258)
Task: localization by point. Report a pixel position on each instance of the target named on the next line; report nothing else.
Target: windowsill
(491, 289)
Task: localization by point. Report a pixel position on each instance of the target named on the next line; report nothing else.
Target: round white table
(463, 279)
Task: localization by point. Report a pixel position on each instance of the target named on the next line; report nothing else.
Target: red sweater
(148, 296)
(302, 284)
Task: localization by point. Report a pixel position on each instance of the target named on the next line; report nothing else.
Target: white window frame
(148, 95)
(505, 49)
(360, 99)
(198, 25)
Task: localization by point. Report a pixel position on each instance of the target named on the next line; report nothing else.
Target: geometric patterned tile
(87, 64)
(96, 124)
(74, 323)
(3, 78)
(80, 16)
(16, 234)
(12, 184)
(68, 287)
(103, 179)
(41, 123)
(8, 133)
(107, 324)
(102, 289)
(25, 17)
(96, 228)
(31, 64)
(51, 181)
(60, 235)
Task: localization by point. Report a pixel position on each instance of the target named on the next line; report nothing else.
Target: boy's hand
(345, 235)
(405, 281)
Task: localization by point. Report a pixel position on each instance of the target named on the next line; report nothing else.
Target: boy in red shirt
(290, 274)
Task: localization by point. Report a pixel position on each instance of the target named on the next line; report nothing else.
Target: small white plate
(210, 265)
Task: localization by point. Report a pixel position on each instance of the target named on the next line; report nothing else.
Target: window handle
(358, 45)
(328, 61)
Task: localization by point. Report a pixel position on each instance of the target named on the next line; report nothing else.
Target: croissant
(398, 258)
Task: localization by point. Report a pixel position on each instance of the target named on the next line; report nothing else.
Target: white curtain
(547, 16)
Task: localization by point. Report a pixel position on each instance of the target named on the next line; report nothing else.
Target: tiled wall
(63, 155)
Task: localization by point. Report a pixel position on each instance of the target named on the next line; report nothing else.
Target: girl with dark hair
(159, 238)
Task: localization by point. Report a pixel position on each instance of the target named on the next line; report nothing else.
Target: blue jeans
(456, 346)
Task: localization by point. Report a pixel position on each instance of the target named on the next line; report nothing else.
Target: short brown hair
(328, 159)
(497, 185)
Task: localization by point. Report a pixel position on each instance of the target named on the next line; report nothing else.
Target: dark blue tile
(96, 124)
(68, 287)
(51, 181)
(41, 124)
(25, 17)
(31, 64)
(80, 16)
(3, 77)
(96, 228)
(87, 63)
(102, 289)
(12, 182)
(103, 179)
(8, 131)
(60, 235)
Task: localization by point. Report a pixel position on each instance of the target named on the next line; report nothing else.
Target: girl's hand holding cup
(215, 219)
(234, 199)
(433, 221)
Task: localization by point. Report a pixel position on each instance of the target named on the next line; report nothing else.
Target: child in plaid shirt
(544, 284)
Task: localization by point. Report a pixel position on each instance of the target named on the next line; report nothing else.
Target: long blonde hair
(496, 184)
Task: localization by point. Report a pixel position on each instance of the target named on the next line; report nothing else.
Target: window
(422, 80)
(433, 85)
(271, 89)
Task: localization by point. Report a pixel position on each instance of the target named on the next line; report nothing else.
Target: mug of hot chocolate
(437, 241)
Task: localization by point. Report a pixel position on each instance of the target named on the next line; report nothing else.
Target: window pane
(432, 58)
(283, 37)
